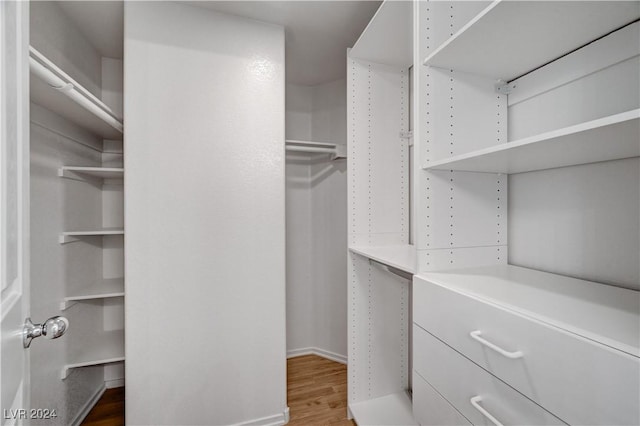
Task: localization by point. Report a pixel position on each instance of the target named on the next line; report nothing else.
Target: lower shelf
(395, 409)
(101, 348)
(101, 290)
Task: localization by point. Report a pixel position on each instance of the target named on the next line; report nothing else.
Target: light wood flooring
(316, 393)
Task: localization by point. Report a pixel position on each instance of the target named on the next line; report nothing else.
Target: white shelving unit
(399, 257)
(70, 236)
(54, 89)
(381, 260)
(609, 138)
(103, 289)
(552, 76)
(101, 348)
(544, 30)
(76, 172)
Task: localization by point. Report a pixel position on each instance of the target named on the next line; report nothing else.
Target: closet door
(14, 200)
(204, 212)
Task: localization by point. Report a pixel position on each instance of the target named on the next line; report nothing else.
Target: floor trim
(319, 352)
(84, 411)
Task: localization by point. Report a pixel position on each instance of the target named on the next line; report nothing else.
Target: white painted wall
(205, 217)
(316, 224)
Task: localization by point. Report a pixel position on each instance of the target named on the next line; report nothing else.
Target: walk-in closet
(320, 212)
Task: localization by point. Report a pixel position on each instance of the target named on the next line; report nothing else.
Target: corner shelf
(73, 172)
(595, 311)
(394, 409)
(101, 348)
(544, 30)
(70, 236)
(55, 90)
(609, 138)
(103, 289)
(398, 257)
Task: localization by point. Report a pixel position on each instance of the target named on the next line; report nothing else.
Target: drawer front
(464, 384)
(580, 381)
(431, 409)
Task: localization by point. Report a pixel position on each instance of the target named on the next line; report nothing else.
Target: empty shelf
(388, 39)
(101, 290)
(399, 257)
(394, 409)
(100, 348)
(603, 313)
(55, 90)
(70, 236)
(610, 138)
(545, 30)
(92, 172)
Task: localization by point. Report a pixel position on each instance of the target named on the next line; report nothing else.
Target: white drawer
(579, 380)
(430, 408)
(460, 381)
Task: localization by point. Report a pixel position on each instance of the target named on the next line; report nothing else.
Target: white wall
(316, 224)
(204, 213)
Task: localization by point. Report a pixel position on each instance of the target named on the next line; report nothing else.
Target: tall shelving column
(380, 257)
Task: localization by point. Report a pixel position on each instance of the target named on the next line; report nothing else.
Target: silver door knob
(52, 328)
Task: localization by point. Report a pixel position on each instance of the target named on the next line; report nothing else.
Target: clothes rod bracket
(395, 271)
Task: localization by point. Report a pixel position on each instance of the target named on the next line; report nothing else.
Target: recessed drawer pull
(513, 355)
(475, 402)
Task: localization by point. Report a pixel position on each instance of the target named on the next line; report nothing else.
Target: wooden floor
(316, 393)
(109, 411)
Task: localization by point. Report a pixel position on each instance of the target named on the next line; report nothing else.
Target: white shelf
(610, 138)
(388, 39)
(74, 172)
(603, 313)
(544, 30)
(399, 257)
(100, 348)
(55, 90)
(70, 236)
(394, 409)
(101, 290)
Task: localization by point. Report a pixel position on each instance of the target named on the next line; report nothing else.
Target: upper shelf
(610, 138)
(604, 313)
(55, 90)
(545, 30)
(308, 147)
(388, 37)
(398, 257)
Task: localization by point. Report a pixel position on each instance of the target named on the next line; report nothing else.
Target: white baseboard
(342, 359)
(116, 383)
(86, 408)
(275, 420)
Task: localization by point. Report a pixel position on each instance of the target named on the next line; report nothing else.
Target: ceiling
(317, 32)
